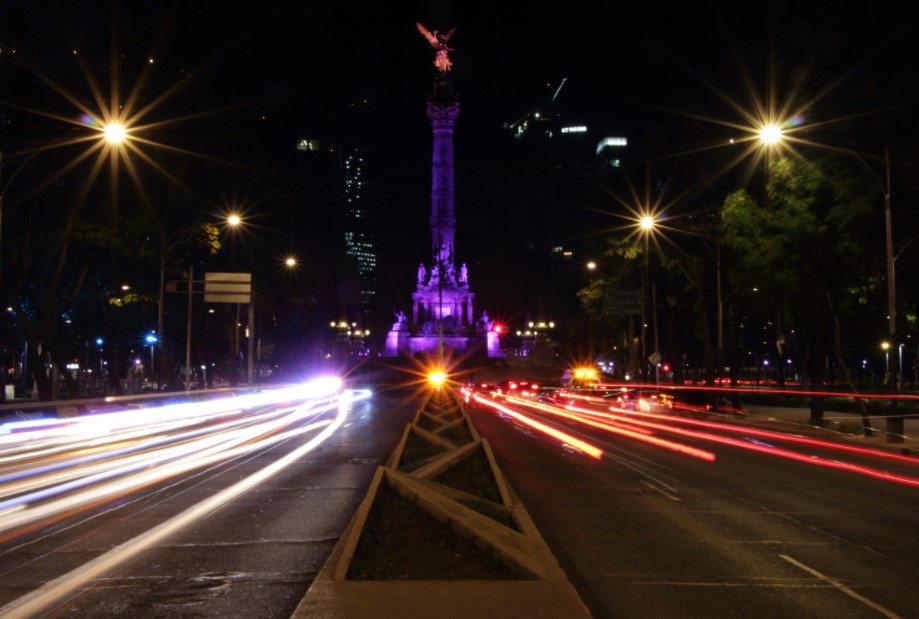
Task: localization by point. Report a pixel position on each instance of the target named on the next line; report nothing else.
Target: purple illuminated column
(443, 116)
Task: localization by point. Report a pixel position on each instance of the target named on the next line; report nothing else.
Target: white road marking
(666, 494)
(822, 496)
(842, 588)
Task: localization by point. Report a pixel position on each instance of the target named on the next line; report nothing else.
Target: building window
(308, 146)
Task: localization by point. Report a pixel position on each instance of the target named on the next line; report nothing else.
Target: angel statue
(439, 42)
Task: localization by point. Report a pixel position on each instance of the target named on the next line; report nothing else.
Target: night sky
(663, 75)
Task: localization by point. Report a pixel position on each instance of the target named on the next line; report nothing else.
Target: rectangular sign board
(228, 287)
(622, 302)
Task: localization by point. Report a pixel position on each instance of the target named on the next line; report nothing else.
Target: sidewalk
(835, 424)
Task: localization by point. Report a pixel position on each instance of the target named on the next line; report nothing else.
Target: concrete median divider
(441, 533)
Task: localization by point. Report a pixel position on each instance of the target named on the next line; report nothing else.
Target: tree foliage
(812, 250)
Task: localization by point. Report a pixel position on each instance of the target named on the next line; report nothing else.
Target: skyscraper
(566, 165)
(358, 224)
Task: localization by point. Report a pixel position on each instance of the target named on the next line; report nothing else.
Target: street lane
(249, 555)
(644, 530)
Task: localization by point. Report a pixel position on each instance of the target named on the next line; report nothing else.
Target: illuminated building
(358, 224)
(566, 163)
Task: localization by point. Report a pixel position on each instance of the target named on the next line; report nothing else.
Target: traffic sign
(622, 302)
(228, 287)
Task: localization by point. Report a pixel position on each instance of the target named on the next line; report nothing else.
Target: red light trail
(641, 426)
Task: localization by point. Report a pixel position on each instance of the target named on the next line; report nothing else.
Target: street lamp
(894, 423)
(770, 134)
(885, 346)
(647, 224)
(151, 340)
(114, 133)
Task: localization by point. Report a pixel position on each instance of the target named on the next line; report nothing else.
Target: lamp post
(894, 423)
(235, 221)
(891, 285)
(885, 346)
(152, 340)
(647, 224)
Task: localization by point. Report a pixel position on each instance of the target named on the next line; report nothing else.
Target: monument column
(443, 110)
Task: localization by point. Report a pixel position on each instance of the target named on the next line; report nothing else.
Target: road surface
(678, 517)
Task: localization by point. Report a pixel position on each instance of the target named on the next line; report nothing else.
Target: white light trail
(58, 589)
(100, 457)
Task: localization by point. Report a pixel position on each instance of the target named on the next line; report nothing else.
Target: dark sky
(657, 72)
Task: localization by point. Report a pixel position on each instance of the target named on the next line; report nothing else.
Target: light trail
(640, 434)
(563, 437)
(589, 416)
(59, 589)
(81, 462)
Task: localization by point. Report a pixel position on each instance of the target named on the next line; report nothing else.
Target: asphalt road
(253, 557)
(767, 528)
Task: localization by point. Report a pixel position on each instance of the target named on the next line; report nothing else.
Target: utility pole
(894, 422)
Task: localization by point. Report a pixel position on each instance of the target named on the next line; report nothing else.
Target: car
(580, 378)
(481, 388)
(697, 403)
(521, 388)
(655, 402)
(623, 398)
(641, 401)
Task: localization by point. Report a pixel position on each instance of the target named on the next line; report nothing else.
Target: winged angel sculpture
(439, 42)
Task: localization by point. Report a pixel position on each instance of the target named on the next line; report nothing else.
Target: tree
(811, 250)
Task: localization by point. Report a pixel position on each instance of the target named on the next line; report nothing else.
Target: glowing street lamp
(770, 134)
(885, 346)
(114, 133)
(647, 224)
(437, 378)
(151, 340)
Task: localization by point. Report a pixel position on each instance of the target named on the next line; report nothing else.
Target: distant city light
(610, 143)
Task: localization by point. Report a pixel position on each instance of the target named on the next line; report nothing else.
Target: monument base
(401, 344)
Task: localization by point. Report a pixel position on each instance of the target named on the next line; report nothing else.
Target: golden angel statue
(439, 42)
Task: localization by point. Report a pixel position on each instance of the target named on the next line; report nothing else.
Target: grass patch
(446, 415)
(472, 474)
(855, 429)
(417, 451)
(426, 423)
(458, 434)
(401, 541)
(487, 508)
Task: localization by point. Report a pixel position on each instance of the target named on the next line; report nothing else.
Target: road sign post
(219, 288)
